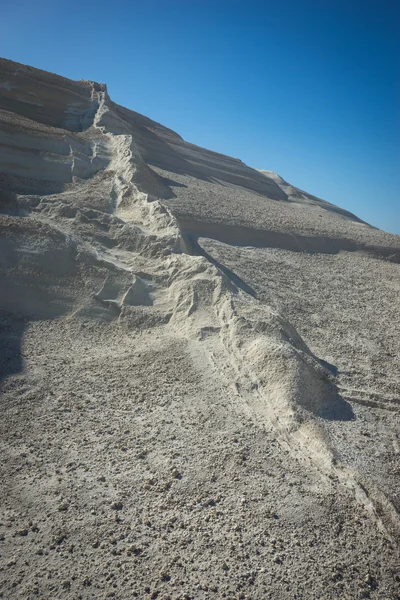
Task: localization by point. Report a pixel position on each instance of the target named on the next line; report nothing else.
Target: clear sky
(306, 88)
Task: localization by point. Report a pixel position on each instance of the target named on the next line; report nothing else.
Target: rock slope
(198, 378)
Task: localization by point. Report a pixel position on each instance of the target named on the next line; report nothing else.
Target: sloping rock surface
(199, 368)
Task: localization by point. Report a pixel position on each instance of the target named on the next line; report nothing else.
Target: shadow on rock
(338, 409)
(11, 333)
(331, 368)
(193, 244)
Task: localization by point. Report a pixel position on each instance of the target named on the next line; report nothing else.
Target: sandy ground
(198, 375)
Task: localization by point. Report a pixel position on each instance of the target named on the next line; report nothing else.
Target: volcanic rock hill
(199, 368)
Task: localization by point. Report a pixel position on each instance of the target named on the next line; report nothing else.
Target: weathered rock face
(200, 395)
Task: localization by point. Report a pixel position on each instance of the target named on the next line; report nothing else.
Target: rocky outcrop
(111, 223)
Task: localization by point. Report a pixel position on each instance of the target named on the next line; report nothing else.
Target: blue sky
(306, 88)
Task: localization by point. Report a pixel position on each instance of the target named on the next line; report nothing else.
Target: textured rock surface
(199, 383)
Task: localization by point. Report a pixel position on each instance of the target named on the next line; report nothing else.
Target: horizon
(319, 109)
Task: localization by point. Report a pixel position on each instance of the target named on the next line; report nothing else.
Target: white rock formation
(199, 386)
